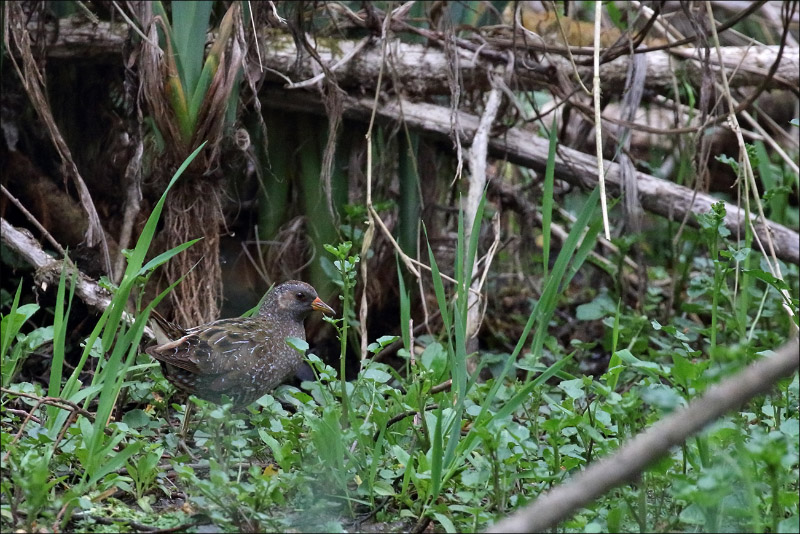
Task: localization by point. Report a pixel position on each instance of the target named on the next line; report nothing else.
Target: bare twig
(58, 402)
(26, 414)
(371, 213)
(408, 413)
(132, 24)
(319, 77)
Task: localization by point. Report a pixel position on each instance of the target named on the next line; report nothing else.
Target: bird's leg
(187, 412)
(182, 444)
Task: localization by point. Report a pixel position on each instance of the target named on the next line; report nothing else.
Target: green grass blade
(175, 87)
(405, 310)
(12, 323)
(117, 461)
(72, 382)
(461, 279)
(438, 286)
(523, 394)
(275, 170)
(59, 339)
(112, 374)
(211, 64)
(59, 336)
(164, 257)
(436, 457)
(137, 256)
(409, 202)
(556, 282)
(189, 27)
(143, 245)
(458, 352)
(547, 197)
(470, 441)
(321, 224)
(541, 313)
(375, 457)
(459, 376)
(159, 11)
(472, 251)
(112, 379)
(199, 92)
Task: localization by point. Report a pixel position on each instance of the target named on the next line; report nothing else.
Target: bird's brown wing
(180, 353)
(217, 348)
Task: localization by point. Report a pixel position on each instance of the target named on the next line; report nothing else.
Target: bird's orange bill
(318, 305)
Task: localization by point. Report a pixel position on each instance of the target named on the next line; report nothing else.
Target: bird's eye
(300, 295)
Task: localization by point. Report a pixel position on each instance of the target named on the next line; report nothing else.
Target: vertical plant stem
(775, 508)
(715, 293)
(642, 515)
(477, 184)
(343, 359)
(771, 258)
(365, 245)
(598, 127)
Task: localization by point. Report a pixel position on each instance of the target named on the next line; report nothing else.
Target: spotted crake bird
(243, 358)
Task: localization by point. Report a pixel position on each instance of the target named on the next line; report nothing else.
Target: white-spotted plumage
(242, 358)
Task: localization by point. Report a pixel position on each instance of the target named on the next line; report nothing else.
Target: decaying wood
(48, 269)
(525, 148)
(423, 69)
(77, 38)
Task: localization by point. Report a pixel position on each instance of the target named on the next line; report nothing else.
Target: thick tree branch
(48, 269)
(525, 148)
(423, 69)
(633, 457)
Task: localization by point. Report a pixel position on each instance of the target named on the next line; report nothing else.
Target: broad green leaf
(189, 27)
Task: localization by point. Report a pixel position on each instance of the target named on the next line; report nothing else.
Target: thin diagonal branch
(632, 458)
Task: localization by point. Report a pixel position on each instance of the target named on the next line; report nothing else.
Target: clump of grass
(74, 428)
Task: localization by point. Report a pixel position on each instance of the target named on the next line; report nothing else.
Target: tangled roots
(194, 210)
